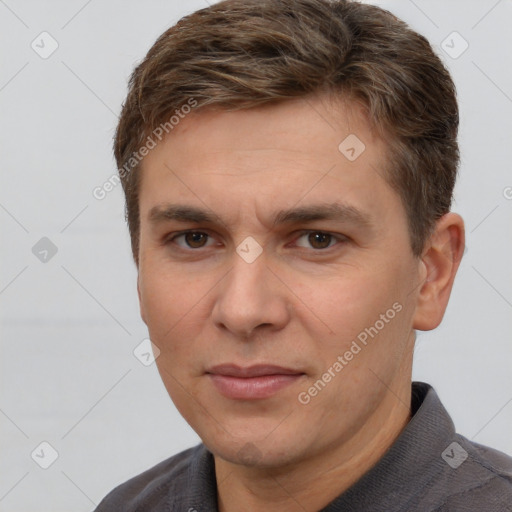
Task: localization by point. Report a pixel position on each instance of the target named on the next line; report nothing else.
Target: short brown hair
(239, 54)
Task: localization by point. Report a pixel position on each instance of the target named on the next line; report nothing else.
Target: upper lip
(233, 370)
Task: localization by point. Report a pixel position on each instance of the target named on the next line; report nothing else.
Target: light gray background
(69, 326)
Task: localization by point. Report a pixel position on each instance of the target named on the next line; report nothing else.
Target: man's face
(320, 290)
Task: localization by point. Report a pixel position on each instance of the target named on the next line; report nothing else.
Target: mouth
(253, 382)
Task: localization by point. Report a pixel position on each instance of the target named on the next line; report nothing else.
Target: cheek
(348, 309)
(166, 294)
(348, 304)
(159, 304)
(165, 310)
(177, 311)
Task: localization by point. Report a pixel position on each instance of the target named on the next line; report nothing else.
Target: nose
(251, 299)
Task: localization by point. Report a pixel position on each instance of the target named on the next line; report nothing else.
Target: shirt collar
(411, 462)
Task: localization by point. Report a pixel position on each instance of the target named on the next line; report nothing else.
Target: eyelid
(172, 236)
(336, 236)
(340, 238)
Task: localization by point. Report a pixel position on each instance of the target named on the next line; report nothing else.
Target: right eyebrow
(182, 213)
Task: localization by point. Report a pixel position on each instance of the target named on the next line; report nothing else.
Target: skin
(298, 305)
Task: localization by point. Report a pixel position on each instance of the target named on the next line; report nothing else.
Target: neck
(313, 483)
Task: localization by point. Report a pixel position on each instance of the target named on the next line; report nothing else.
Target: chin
(254, 451)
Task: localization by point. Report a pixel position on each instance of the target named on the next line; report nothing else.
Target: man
(288, 168)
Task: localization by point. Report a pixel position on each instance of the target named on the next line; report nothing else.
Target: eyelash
(339, 238)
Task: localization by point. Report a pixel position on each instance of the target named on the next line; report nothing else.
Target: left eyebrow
(333, 211)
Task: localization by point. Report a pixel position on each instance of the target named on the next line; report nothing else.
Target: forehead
(302, 126)
(303, 151)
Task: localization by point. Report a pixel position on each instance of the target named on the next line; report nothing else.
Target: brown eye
(195, 239)
(319, 240)
(189, 240)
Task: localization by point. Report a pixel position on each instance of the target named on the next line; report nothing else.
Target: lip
(251, 382)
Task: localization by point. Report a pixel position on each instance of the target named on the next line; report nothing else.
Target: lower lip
(252, 388)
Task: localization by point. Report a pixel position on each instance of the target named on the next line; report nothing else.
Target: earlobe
(440, 262)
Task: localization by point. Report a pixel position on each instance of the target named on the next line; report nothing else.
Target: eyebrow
(333, 211)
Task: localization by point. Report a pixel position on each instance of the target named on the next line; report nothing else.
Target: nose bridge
(250, 295)
(248, 279)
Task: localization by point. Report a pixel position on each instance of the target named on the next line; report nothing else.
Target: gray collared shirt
(428, 468)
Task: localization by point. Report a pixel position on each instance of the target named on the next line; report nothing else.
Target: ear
(440, 261)
(142, 315)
